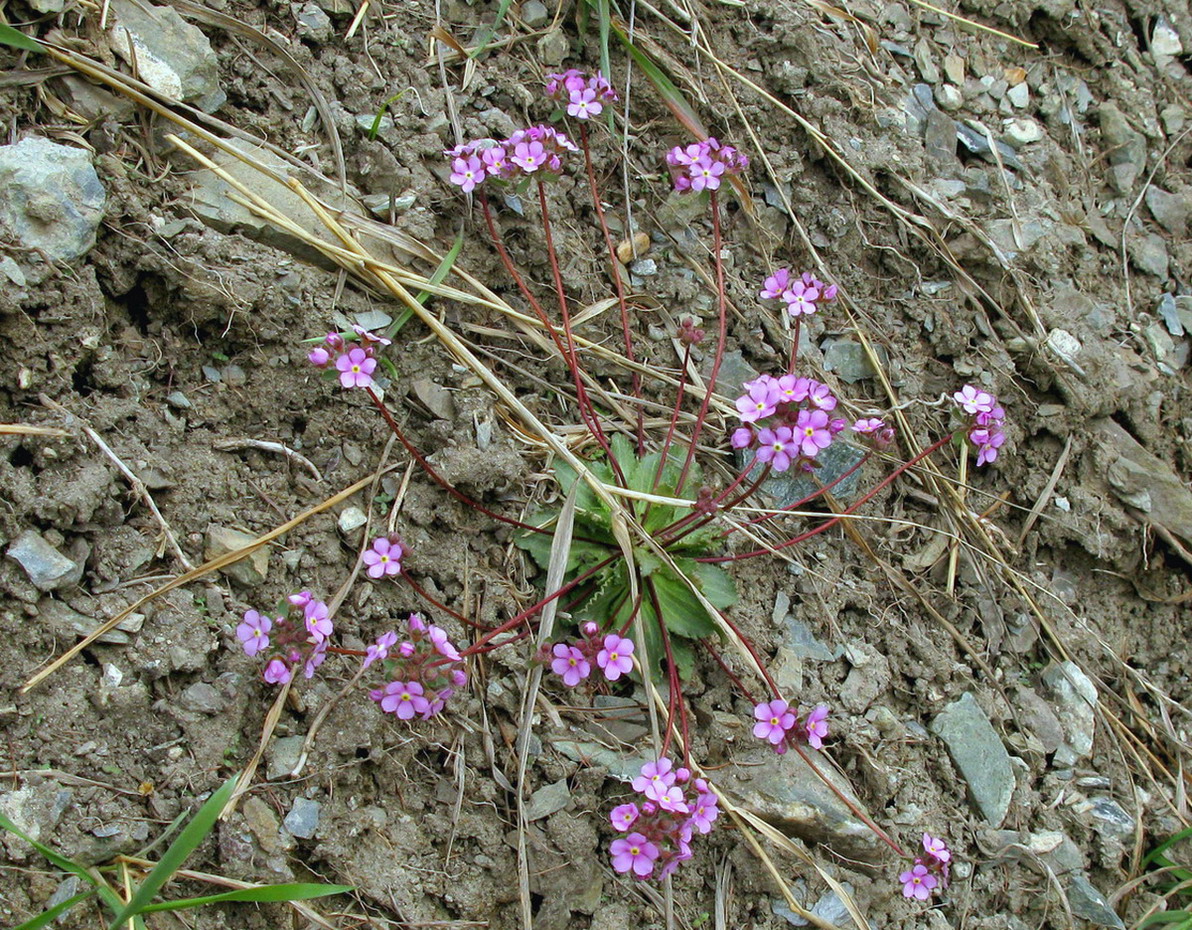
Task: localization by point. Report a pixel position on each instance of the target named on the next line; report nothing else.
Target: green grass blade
(294, 891)
(376, 123)
(55, 857)
(1156, 857)
(487, 35)
(18, 39)
(46, 917)
(422, 297)
(171, 861)
(671, 95)
(1182, 920)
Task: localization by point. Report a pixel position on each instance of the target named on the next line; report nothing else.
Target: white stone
(1023, 131)
(1165, 41)
(1019, 95)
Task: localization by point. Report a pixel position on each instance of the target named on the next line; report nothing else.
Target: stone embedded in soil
(849, 360)
(828, 908)
(283, 756)
(1148, 252)
(249, 570)
(547, 800)
(436, 398)
(1075, 699)
(1141, 481)
(1087, 902)
(201, 698)
(978, 144)
(786, 792)
(46, 567)
(171, 55)
(1109, 817)
(788, 488)
(53, 202)
(979, 754)
(1125, 147)
(68, 622)
(313, 22)
(303, 818)
(535, 14)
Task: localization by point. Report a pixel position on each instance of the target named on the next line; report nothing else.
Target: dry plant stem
(435, 476)
(673, 704)
(670, 430)
(615, 268)
(721, 336)
(840, 516)
(585, 404)
(954, 554)
(795, 343)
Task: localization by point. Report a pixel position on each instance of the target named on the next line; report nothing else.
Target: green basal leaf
(713, 581)
(684, 615)
(265, 893)
(18, 39)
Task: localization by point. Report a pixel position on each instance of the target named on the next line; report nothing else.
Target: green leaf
(171, 861)
(108, 896)
(18, 39)
(47, 916)
(713, 581)
(682, 613)
(294, 891)
(609, 603)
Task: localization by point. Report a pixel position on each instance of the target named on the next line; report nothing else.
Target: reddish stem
(836, 519)
(615, 267)
(422, 593)
(722, 334)
(585, 405)
(795, 343)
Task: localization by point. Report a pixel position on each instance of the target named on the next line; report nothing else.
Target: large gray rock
(46, 567)
(786, 792)
(979, 754)
(52, 202)
(171, 55)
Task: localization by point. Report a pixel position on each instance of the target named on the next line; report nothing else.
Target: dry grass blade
(1009, 37)
(23, 429)
(205, 569)
(556, 570)
(244, 782)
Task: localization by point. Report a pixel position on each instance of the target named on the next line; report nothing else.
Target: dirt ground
(1054, 268)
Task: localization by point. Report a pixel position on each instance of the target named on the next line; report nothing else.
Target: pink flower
(760, 402)
(671, 799)
(355, 368)
(778, 282)
(443, 646)
(973, 400)
(800, 299)
(253, 633)
(624, 816)
(918, 883)
(792, 389)
(467, 172)
(988, 447)
(318, 622)
(583, 104)
(317, 657)
(404, 698)
(774, 719)
(705, 811)
(277, 672)
(301, 599)
(380, 649)
(496, 162)
(383, 558)
(742, 438)
(820, 396)
(616, 658)
(634, 853)
(416, 623)
(776, 446)
(812, 433)
(936, 848)
(570, 663)
(705, 174)
(655, 778)
(867, 425)
(529, 156)
(319, 357)
(817, 726)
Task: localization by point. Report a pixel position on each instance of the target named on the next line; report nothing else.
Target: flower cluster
(383, 557)
(701, 165)
(798, 426)
(985, 427)
(777, 724)
(611, 653)
(354, 358)
(293, 644)
(584, 96)
(930, 870)
(426, 670)
(527, 151)
(802, 295)
(659, 830)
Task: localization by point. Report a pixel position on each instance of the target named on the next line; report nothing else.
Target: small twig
(1045, 495)
(138, 485)
(232, 445)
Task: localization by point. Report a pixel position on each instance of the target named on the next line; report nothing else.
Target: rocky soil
(1013, 214)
